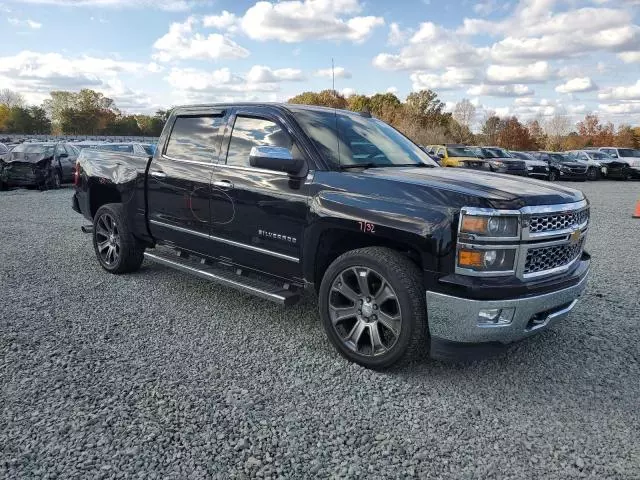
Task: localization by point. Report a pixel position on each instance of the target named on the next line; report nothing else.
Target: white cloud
(576, 85)
(225, 21)
(538, 72)
(397, 36)
(296, 21)
(630, 57)
(393, 90)
(192, 83)
(625, 109)
(516, 90)
(182, 43)
(169, 5)
(631, 92)
(485, 7)
(262, 74)
(453, 78)
(339, 72)
(25, 23)
(431, 47)
(347, 91)
(36, 74)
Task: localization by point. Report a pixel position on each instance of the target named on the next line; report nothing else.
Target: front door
(264, 228)
(179, 191)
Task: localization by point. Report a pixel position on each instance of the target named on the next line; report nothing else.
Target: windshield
(522, 155)
(31, 148)
(558, 157)
(347, 139)
(599, 156)
(117, 148)
(3, 149)
(149, 149)
(628, 152)
(461, 152)
(495, 153)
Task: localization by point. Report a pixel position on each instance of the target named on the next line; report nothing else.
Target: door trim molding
(227, 241)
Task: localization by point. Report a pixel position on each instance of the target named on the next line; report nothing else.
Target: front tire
(553, 176)
(117, 250)
(372, 306)
(593, 174)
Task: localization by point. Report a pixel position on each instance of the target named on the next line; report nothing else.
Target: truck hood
(497, 188)
(19, 157)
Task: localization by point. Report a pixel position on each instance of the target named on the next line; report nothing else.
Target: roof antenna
(333, 77)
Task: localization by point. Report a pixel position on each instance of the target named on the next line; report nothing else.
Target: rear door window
(195, 137)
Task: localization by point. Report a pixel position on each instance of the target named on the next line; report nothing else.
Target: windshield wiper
(378, 165)
(418, 165)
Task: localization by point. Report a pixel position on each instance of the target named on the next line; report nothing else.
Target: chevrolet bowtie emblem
(574, 238)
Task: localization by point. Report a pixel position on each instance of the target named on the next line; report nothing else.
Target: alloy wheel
(108, 239)
(365, 311)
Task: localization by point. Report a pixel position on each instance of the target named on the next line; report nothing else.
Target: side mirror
(441, 155)
(279, 159)
(63, 155)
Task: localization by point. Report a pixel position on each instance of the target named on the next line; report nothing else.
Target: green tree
(491, 128)
(358, 103)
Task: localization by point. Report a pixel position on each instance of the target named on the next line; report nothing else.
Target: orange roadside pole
(636, 214)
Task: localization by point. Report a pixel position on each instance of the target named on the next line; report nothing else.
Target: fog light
(495, 316)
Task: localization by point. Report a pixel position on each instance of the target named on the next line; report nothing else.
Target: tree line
(86, 112)
(422, 117)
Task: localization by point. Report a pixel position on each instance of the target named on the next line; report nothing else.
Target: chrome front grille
(549, 258)
(558, 221)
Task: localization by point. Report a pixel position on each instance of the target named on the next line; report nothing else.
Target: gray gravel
(160, 375)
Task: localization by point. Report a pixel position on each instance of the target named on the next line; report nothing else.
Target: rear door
(258, 215)
(64, 160)
(178, 181)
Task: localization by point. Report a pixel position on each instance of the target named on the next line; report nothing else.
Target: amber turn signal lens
(471, 224)
(470, 258)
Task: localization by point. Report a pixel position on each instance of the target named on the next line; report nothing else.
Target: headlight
(489, 226)
(529, 168)
(564, 169)
(498, 260)
(497, 164)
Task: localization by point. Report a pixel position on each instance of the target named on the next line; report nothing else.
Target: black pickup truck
(405, 257)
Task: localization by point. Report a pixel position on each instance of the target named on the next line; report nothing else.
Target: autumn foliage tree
(594, 133)
(513, 135)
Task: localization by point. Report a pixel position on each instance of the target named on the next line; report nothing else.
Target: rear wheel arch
(100, 194)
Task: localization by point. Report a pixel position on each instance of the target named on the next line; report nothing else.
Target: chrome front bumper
(455, 319)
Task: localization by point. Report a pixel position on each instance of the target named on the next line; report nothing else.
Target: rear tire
(117, 250)
(56, 180)
(381, 321)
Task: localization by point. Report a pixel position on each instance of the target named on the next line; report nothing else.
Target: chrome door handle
(223, 184)
(159, 174)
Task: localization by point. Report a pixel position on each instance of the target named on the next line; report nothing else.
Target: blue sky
(531, 58)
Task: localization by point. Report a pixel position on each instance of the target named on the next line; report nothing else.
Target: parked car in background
(431, 155)
(42, 165)
(595, 160)
(459, 156)
(535, 168)
(4, 150)
(561, 167)
(87, 144)
(500, 161)
(132, 148)
(627, 165)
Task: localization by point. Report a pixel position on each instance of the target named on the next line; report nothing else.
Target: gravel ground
(160, 375)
